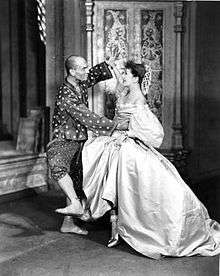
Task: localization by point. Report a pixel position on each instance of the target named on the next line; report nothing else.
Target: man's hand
(123, 125)
(110, 61)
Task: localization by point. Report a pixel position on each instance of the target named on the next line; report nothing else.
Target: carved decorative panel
(149, 33)
(22, 172)
(116, 46)
(152, 55)
(115, 34)
(112, 38)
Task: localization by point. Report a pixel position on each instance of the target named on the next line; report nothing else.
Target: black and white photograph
(109, 138)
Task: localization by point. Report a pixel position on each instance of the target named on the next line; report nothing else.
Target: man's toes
(70, 210)
(74, 230)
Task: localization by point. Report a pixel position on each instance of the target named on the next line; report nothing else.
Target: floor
(31, 244)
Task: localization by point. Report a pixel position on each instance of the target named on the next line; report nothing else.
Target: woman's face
(128, 78)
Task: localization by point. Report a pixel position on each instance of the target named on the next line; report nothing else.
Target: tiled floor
(30, 244)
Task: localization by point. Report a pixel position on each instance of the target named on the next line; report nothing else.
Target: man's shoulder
(67, 87)
(67, 90)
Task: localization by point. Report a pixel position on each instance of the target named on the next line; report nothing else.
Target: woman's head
(134, 72)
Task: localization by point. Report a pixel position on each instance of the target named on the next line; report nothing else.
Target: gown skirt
(158, 214)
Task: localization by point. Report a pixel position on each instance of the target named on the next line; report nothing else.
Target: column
(177, 139)
(89, 33)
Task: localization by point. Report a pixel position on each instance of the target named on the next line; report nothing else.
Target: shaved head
(72, 62)
(76, 67)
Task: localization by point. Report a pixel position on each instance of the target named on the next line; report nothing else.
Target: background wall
(201, 98)
(66, 35)
(208, 87)
(22, 64)
(22, 87)
(202, 108)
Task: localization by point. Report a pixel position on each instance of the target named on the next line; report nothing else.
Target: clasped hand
(123, 125)
(110, 61)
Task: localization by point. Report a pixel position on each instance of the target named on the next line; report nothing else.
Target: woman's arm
(145, 126)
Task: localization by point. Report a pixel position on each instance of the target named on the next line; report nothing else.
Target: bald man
(71, 120)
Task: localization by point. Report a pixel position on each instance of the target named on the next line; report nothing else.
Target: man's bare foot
(68, 226)
(74, 209)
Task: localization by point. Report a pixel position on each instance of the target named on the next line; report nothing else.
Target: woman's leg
(114, 240)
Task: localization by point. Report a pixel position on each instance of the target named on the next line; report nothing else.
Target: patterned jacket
(72, 117)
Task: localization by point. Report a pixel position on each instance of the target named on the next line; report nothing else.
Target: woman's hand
(123, 125)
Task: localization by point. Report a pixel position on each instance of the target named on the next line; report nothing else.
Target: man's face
(80, 72)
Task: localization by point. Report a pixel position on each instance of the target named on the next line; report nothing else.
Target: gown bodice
(124, 111)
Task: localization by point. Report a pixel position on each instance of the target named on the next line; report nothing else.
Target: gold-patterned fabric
(60, 154)
(70, 122)
(72, 117)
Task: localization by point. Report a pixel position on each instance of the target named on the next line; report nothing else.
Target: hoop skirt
(158, 214)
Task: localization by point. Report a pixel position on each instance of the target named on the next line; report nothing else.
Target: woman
(158, 214)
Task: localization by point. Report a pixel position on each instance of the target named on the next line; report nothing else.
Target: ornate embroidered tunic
(71, 120)
(72, 117)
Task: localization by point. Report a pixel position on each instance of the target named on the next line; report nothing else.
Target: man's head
(77, 67)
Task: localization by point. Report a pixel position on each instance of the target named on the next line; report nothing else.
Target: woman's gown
(158, 214)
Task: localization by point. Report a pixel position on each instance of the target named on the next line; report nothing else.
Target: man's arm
(98, 73)
(80, 112)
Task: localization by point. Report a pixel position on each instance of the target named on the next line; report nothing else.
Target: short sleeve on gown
(145, 126)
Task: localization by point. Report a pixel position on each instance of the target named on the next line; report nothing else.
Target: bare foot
(74, 209)
(69, 227)
(74, 229)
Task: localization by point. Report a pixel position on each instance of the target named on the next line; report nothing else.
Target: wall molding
(21, 172)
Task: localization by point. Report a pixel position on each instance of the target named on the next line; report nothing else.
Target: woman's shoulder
(136, 105)
(140, 102)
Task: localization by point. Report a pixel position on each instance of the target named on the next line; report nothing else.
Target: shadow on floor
(38, 212)
(208, 191)
(32, 245)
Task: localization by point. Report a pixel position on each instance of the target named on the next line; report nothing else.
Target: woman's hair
(137, 70)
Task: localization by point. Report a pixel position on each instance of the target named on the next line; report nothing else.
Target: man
(71, 120)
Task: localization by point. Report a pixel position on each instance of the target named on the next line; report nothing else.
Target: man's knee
(57, 167)
(58, 173)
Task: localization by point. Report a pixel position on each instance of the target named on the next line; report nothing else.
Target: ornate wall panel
(112, 38)
(152, 55)
(147, 32)
(115, 34)
(116, 45)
